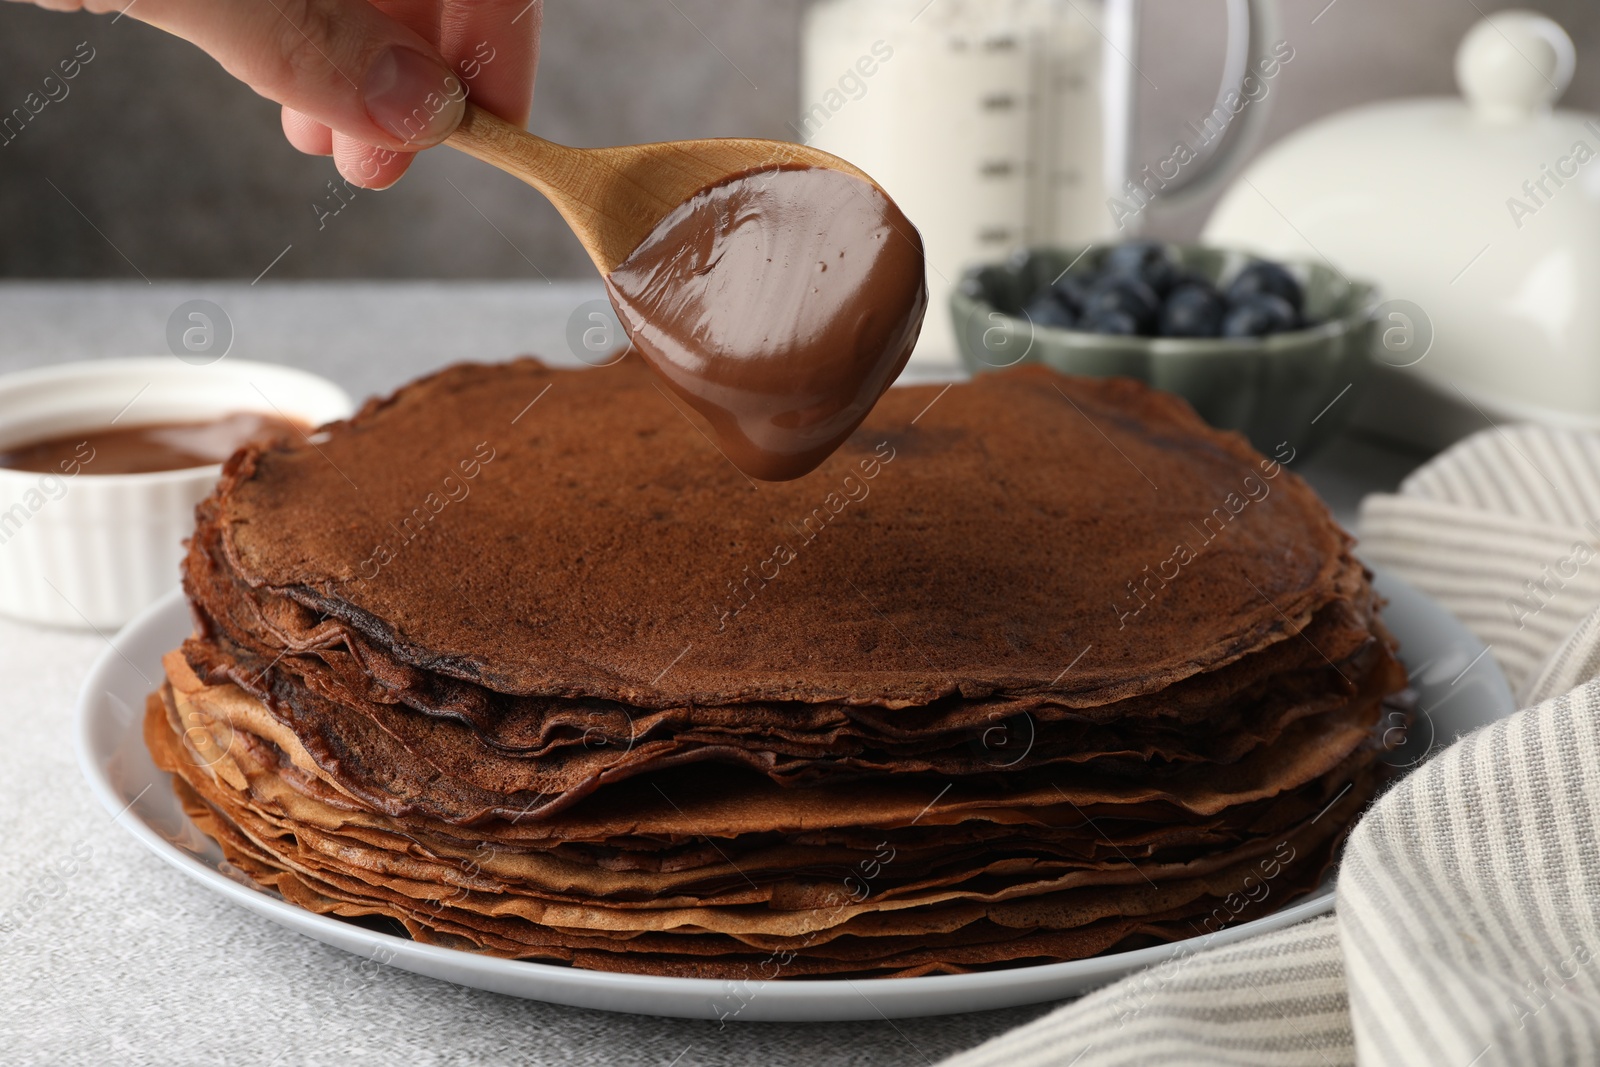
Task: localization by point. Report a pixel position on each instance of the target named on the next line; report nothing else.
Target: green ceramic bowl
(1272, 389)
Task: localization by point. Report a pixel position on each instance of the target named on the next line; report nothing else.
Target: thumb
(342, 63)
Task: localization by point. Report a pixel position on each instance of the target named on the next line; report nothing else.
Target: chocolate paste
(143, 449)
(780, 304)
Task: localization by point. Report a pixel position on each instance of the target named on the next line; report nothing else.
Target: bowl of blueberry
(1256, 346)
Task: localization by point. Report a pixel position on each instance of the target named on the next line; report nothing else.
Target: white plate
(1461, 689)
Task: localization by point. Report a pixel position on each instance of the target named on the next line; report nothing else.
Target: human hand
(369, 82)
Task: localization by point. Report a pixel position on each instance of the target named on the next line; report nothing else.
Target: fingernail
(414, 97)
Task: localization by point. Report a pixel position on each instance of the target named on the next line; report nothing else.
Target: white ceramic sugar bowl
(1483, 213)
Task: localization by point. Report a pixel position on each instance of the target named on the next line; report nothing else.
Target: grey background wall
(158, 165)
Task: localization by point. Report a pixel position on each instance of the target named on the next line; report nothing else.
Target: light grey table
(109, 956)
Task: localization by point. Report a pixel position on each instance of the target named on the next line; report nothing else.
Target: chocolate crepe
(602, 548)
(1034, 667)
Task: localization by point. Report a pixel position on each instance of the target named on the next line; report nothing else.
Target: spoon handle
(612, 198)
(565, 175)
(540, 163)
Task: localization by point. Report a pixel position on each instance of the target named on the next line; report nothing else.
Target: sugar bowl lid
(1514, 65)
(1480, 212)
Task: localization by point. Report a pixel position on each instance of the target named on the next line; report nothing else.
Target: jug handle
(1253, 27)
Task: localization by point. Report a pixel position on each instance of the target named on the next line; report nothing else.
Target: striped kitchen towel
(1467, 931)
(1503, 529)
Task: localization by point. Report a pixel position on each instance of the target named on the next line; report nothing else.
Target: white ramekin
(94, 550)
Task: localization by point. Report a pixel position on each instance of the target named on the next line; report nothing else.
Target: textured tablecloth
(108, 956)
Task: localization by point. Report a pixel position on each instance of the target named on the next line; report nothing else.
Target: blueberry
(1027, 265)
(1072, 290)
(1048, 310)
(1110, 320)
(1259, 315)
(1129, 296)
(1189, 277)
(1192, 310)
(1147, 261)
(1264, 277)
(1127, 257)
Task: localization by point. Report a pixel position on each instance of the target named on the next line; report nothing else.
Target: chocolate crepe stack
(1033, 668)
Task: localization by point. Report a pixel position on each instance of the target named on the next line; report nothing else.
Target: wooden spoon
(776, 288)
(613, 198)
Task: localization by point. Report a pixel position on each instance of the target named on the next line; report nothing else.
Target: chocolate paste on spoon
(780, 304)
